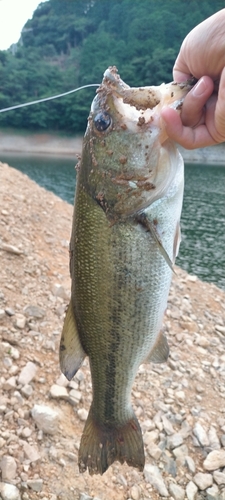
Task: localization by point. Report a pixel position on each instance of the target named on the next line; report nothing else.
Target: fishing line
(49, 98)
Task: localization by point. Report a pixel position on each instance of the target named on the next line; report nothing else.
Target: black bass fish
(125, 237)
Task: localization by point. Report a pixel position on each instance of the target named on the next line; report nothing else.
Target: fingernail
(199, 88)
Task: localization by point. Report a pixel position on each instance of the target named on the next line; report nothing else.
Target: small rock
(59, 291)
(180, 395)
(191, 490)
(186, 429)
(214, 460)
(190, 464)
(199, 388)
(27, 373)
(10, 249)
(35, 484)
(46, 418)
(9, 492)
(9, 311)
(83, 496)
(202, 341)
(73, 384)
(82, 414)
(20, 321)
(26, 432)
(201, 435)
(176, 491)
(2, 314)
(8, 467)
(34, 312)
(27, 390)
(192, 278)
(220, 329)
(212, 493)
(219, 477)
(14, 353)
(74, 396)
(10, 384)
(62, 381)
(168, 428)
(169, 465)
(153, 476)
(31, 452)
(174, 441)
(154, 451)
(58, 392)
(122, 480)
(213, 439)
(135, 492)
(203, 480)
(181, 452)
(150, 437)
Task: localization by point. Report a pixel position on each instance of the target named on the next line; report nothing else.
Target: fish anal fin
(101, 445)
(71, 353)
(160, 351)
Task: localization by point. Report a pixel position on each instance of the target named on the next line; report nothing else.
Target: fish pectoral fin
(71, 352)
(161, 248)
(102, 444)
(177, 240)
(160, 352)
(143, 219)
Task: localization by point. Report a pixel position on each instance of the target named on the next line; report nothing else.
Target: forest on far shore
(70, 43)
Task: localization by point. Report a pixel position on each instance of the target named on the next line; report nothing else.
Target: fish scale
(124, 241)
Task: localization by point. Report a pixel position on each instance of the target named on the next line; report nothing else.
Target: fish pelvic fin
(71, 352)
(101, 445)
(160, 351)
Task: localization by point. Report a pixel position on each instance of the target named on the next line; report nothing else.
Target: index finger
(188, 137)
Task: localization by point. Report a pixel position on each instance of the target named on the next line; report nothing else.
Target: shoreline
(40, 144)
(46, 144)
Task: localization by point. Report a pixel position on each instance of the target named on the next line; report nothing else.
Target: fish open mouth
(141, 105)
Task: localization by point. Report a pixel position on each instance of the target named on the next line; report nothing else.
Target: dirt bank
(180, 404)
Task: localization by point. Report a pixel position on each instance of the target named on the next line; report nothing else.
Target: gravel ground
(180, 404)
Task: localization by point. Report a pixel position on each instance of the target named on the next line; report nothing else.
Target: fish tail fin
(101, 445)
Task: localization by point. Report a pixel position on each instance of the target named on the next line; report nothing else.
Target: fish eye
(102, 121)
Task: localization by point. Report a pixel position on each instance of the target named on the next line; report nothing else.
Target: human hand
(202, 54)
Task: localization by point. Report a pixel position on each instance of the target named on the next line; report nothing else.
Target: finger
(187, 137)
(215, 112)
(195, 100)
(220, 108)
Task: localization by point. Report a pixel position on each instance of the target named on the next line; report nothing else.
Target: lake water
(203, 217)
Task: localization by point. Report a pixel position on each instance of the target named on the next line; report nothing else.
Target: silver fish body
(124, 241)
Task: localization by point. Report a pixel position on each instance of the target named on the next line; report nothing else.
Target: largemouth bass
(125, 237)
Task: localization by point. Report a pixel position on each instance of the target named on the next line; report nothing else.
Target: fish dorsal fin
(71, 353)
(160, 352)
